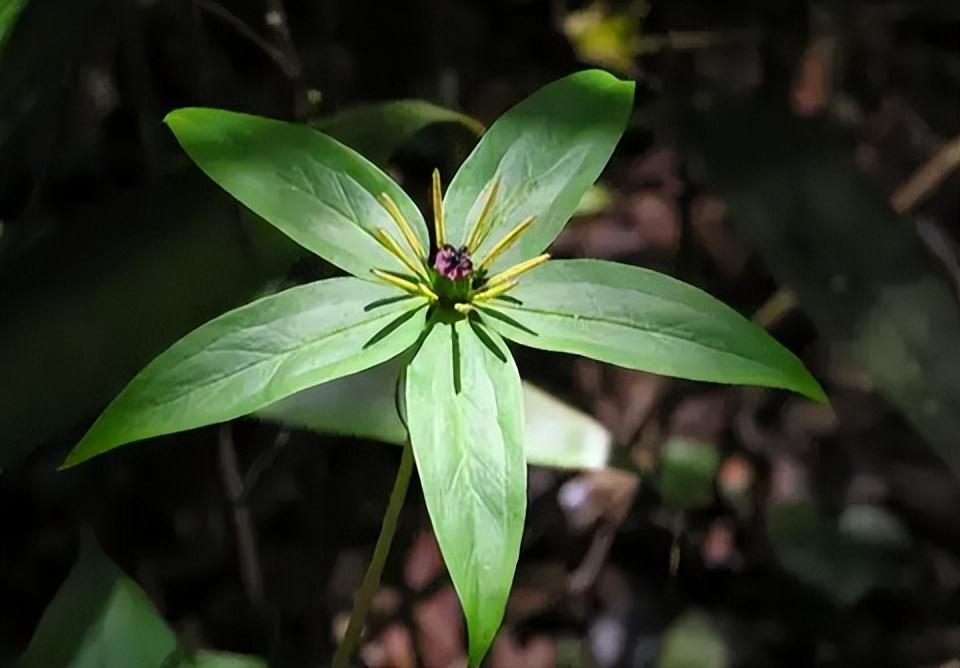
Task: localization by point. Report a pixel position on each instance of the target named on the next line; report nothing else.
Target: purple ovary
(453, 263)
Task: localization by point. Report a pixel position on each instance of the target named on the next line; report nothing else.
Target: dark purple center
(453, 263)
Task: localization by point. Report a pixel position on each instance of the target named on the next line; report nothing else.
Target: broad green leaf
(99, 617)
(256, 355)
(554, 434)
(464, 408)
(377, 130)
(546, 151)
(640, 319)
(319, 192)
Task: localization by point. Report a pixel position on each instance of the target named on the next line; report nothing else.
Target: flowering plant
(446, 300)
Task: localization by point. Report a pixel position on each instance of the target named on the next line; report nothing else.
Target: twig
(263, 462)
(923, 182)
(591, 565)
(371, 581)
(248, 553)
(276, 20)
(780, 303)
(290, 69)
(692, 40)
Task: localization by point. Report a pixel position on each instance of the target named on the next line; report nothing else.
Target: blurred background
(797, 159)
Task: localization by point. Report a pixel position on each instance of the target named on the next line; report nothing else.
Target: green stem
(371, 581)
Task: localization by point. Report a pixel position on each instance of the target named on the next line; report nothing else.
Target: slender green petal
(547, 151)
(640, 319)
(465, 414)
(256, 355)
(319, 192)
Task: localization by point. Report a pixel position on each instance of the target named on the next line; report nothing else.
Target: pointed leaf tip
(640, 319)
(544, 153)
(255, 355)
(471, 464)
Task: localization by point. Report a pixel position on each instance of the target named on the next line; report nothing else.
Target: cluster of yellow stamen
(424, 279)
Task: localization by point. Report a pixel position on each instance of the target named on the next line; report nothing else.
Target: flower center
(455, 280)
(453, 263)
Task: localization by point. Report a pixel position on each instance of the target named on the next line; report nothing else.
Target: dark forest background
(797, 159)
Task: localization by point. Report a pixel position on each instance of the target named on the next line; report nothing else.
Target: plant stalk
(371, 581)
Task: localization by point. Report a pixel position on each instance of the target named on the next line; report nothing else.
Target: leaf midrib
(278, 358)
(637, 326)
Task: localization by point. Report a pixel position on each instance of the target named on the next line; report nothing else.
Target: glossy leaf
(99, 617)
(256, 355)
(463, 403)
(640, 319)
(546, 151)
(319, 192)
(554, 434)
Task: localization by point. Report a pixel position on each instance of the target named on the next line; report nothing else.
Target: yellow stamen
(402, 223)
(463, 308)
(517, 269)
(506, 242)
(438, 223)
(490, 293)
(403, 284)
(427, 292)
(391, 245)
(480, 231)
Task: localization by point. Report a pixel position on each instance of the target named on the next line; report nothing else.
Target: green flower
(445, 305)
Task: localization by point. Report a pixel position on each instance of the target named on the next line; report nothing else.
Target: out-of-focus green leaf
(687, 472)
(857, 267)
(9, 12)
(99, 618)
(559, 435)
(555, 434)
(693, 642)
(377, 131)
(546, 151)
(844, 559)
(332, 408)
(257, 354)
(464, 410)
(317, 191)
(640, 319)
